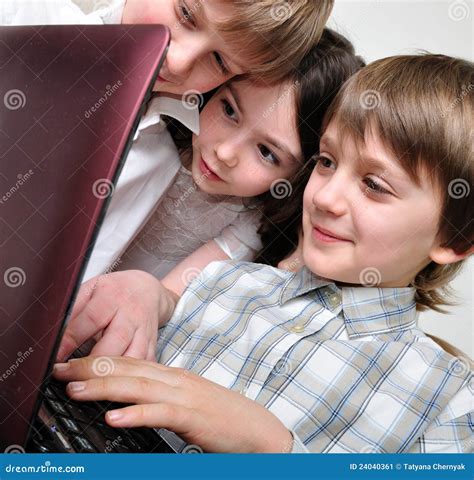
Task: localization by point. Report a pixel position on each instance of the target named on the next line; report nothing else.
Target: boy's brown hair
(422, 107)
(275, 35)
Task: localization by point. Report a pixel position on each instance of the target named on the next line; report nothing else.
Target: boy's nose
(331, 197)
(179, 61)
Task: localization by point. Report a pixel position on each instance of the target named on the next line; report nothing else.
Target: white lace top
(185, 219)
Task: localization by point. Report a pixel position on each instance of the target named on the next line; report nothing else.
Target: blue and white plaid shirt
(345, 369)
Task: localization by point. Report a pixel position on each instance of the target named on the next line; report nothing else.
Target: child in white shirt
(210, 43)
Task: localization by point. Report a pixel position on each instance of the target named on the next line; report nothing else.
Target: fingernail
(77, 386)
(72, 360)
(60, 367)
(114, 415)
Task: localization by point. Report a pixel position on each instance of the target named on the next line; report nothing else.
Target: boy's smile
(362, 210)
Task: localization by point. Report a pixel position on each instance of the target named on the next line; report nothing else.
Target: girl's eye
(228, 110)
(324, 162)
(220, 63)
(268, 155)
(186, 14)
(374, 187)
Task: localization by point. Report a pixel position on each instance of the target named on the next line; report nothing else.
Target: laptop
(72, 97)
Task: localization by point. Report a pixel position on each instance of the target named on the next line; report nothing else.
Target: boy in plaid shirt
(330, 359)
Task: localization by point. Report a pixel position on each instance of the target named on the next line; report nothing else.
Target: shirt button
(335, 300)
(298, 328)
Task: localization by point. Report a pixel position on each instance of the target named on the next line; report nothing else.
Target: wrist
(278, 442)
(168, 301)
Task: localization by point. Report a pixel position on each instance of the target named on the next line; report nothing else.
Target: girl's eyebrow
(280, 147)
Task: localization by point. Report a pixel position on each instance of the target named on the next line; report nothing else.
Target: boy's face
(385, 225)
(248, 140)
(197, 58)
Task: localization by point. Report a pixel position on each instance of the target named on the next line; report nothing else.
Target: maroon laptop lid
(71, 100)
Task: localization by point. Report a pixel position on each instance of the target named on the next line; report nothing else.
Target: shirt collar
(162, 105)
(112, 13)
(366, 311)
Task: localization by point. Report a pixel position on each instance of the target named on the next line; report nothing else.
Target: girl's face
(197, 58)
(248, 140)
(365, 221)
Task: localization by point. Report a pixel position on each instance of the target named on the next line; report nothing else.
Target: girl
(242, 152)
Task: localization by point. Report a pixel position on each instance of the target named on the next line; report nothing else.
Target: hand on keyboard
(200, 411)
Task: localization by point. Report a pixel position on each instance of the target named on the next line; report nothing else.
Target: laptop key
(69, 424)
(56, 406)
(82, 445)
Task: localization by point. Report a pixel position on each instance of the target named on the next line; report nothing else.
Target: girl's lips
(207, 172)
(325, 236)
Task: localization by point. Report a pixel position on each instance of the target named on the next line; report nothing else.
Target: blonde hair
(274, 35)
(422, 106)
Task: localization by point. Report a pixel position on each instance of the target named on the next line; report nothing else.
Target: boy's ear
(445, 256)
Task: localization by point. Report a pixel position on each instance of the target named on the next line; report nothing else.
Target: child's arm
(204, 413)
(125, 308)
(182, 275)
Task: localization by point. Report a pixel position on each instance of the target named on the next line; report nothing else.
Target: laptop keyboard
(71, 426)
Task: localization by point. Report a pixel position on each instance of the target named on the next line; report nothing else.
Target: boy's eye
(324, 162)
(186, 14)
(228, 110)
(374, 187)
(268, 155)
(221, 64)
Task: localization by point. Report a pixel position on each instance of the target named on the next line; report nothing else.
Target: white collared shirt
(151, 167)
(60, 12)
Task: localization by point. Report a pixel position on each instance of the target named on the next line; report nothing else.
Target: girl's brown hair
(319, 77)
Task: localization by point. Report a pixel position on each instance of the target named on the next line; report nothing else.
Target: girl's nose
(226, 152)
